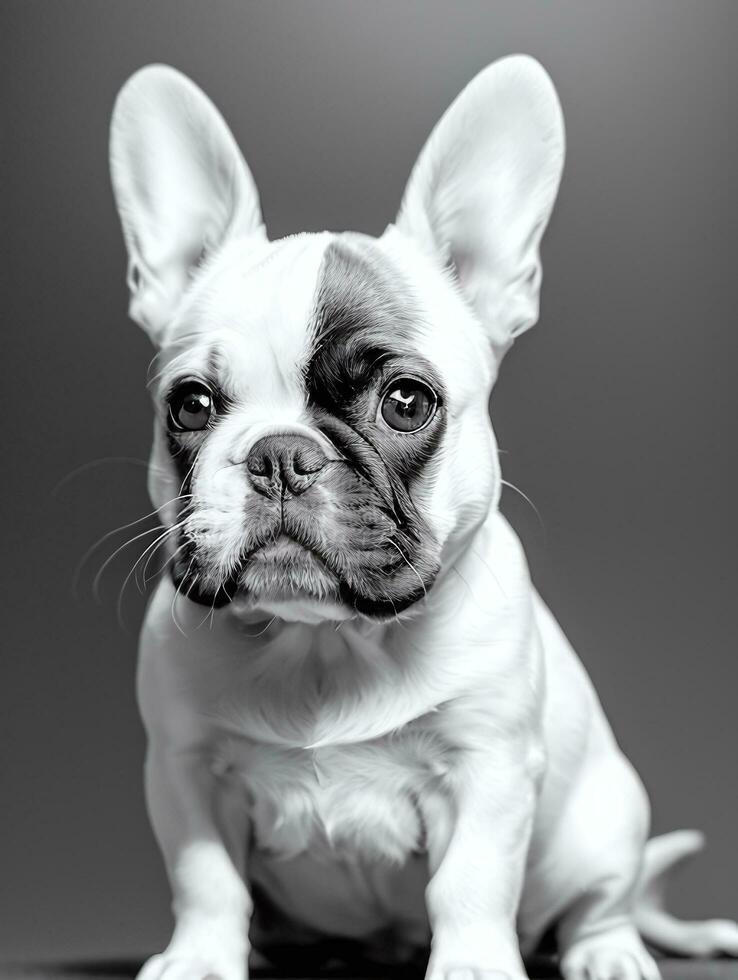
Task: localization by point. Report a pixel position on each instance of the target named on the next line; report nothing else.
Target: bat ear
(181, 186)
(483, 188)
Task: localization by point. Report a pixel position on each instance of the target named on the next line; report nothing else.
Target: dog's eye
(190, 407)
(408, 405)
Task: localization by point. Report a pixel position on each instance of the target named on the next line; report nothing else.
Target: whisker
(174, 600)
(182, 340)
(489, 569)
(154, 544)
(91, 464)
(170, 559)
(154, 548)
(469, 588)
(151, 379)
(96, 580)
(228, 466)
(117, 530)
(212, 610)
(192, 585)
(409, 565)
(208, 612)
(525, 497)
(394, 610)
(253, 636)
(151, 363)
(191, 470)
(151, 548)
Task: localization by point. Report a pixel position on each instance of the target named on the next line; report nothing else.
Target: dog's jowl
(364, 724)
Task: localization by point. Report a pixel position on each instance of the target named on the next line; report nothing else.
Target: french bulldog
(363, 722)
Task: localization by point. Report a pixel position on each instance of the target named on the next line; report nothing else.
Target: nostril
(308, 460)
(259, 464)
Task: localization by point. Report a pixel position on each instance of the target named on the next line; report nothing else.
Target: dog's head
(322, 439)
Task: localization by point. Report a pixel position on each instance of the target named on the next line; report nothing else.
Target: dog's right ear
(181, 186)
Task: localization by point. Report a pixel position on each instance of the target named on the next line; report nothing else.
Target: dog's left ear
(181, 185)
(481, 193)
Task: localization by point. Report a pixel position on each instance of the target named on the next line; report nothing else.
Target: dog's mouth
(279, 571)
(284, 569)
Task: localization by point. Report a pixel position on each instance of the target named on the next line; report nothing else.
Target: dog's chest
(295, 724)
(365, 798)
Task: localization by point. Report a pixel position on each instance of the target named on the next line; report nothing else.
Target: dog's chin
(287, 580)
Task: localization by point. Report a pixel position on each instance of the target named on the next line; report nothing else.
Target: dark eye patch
(366, 325)
(364, 314)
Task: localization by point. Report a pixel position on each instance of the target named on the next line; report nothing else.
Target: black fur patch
(364, 314)
(368, 330)
(367, 334)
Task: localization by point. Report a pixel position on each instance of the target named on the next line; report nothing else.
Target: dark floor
(540, 969)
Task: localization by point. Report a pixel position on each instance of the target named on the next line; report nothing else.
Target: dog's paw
(480, 973)
(486, 951)
(472, 973)
(173, 966)
(610, 956)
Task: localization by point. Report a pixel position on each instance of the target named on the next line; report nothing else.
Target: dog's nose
(284, 464)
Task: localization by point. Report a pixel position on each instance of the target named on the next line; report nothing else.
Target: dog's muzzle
(318, 524)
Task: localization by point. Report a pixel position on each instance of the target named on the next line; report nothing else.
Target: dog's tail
(712, 937)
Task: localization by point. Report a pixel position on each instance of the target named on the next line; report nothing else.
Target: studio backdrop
(617, 414)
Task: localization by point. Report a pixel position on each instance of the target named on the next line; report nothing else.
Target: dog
(363, 722)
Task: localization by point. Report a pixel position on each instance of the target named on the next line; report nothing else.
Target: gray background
(618, 412)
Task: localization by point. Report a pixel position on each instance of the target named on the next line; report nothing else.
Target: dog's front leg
(477, 860)
(202, 833)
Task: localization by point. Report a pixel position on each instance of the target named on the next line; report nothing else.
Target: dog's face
(322, 442)
(321, 414)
